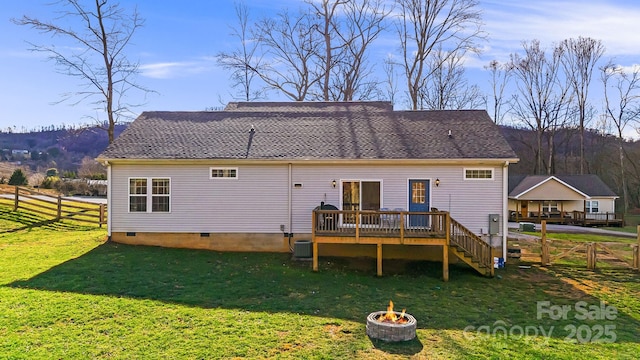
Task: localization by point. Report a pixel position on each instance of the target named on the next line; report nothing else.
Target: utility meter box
(494, 224)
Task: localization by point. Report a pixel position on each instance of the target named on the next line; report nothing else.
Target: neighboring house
(248, 178)
(584, 199)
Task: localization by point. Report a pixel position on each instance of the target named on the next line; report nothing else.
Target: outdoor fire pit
(391, 325)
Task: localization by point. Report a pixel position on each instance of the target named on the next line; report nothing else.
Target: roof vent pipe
(251, 133)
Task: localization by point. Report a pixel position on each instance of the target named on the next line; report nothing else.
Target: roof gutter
(377, 162)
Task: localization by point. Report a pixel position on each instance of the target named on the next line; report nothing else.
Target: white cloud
(614, 22)
(170, 70)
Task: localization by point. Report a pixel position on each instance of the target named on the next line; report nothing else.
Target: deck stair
(471, 249)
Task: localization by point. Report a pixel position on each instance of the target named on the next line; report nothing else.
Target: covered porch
(382, 227)
(537, 211)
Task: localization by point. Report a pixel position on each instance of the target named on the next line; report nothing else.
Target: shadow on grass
(343, 288)
(411, 347)
(27, 220)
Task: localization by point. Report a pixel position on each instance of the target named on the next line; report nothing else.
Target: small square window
(224, 173)
(477, 174)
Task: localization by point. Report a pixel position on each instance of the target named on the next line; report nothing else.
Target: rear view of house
(248, 178)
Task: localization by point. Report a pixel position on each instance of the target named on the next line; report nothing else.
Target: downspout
(109, 202)
(289, 205)
(505, 208)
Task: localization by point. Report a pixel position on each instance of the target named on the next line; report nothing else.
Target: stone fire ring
(387, 331)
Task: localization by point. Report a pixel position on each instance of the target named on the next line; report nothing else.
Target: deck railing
(379, 223)
(471, 244)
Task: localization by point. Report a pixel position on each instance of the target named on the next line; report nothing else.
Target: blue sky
(177, 45)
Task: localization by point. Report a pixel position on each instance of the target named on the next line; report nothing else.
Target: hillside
(63, 149)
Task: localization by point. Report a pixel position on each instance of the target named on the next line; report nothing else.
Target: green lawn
(66, 293)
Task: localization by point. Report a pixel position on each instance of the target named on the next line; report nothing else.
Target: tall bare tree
(244, 58)
(356, 25)
(391, 80)
(542, 95)
(326, 12)
(622, 106)
(102, 31)
(579, 59)
(447, 87)
(289, 43)
(500, 75)
(426, 25)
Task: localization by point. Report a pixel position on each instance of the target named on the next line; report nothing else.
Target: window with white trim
(550, 206)
(223, 173)
(149, 195)
(592, 206)
(478, 174)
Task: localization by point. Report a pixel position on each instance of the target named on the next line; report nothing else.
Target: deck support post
(445, 262)
(379, 258)
(315, 255)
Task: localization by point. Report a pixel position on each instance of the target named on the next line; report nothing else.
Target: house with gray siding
(249, 177)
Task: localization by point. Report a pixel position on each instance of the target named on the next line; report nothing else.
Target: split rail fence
(55, 206)
(594, 252)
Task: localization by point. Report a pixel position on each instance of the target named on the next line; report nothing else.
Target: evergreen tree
(18, 178)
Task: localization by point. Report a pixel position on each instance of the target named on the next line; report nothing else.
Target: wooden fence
(592, 250)
(54, 206)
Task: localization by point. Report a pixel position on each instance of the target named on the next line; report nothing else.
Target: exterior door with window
(419, 202)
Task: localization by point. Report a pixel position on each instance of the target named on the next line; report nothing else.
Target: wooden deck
(401, 228)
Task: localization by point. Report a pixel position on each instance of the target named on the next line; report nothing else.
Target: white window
(223, 173)
(149, 195)
(550, 206)
(478, 174)
(592, 206)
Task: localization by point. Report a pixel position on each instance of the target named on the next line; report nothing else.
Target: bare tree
(289, 43)
(328, 28)
(102, 31)
(391, 81)
(579, 60)
(347, 29)
(541, 94)
(243, 59)
(447, 87)
(622, 106)
(426, 25)
(500, 75)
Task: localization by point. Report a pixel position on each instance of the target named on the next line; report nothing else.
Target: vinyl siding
(469, 201)
(257, 202)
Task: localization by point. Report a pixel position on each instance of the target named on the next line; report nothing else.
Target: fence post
(544, 251)
(101, 214)
(636, 253)
(59, 215)
(16, 201)
(591, 255)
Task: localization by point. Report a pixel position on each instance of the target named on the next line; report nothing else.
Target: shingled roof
(590, 185)
(311, 130)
